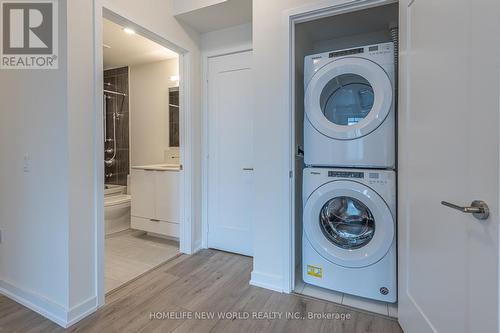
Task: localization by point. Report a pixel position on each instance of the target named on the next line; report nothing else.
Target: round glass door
(347, 222)
(348, 98)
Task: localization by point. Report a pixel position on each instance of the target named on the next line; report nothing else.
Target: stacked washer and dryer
(349, 182)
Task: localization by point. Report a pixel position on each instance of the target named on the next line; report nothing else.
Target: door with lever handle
(478, 208)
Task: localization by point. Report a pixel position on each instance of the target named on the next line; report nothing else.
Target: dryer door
(348, 224)
(348, 98)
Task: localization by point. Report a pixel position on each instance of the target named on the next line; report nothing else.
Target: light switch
(27, 163)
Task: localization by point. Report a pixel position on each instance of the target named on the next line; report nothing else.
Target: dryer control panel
(371, 50)
(382, 54)
(346, 52)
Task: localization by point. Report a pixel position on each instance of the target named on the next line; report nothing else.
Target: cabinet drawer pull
(154, 220)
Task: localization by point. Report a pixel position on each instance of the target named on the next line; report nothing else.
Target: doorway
(145, 147)
(336, 33)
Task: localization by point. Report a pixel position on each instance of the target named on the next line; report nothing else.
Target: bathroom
(141, 153)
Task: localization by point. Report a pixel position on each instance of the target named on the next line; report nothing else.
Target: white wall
(185, 6)
(34, 206)
(236, 37)
(272, 211)
(47, 254)
(46, 214)
(148, 91)
(82, 296)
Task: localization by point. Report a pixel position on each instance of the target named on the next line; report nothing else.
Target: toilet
(116, 209)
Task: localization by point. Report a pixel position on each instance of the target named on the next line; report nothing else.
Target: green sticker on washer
(315, 271)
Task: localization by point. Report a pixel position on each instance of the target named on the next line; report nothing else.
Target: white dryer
(348, 242)
(349, 108)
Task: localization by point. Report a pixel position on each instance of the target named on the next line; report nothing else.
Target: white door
(449, 151)
(230, 153)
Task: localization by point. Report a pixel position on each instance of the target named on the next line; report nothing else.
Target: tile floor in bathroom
(131, 253)
(382, 308)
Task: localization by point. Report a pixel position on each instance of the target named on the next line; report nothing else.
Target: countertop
(159, 167)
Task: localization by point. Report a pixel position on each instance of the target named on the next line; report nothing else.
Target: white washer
(349, 108)
(348, 242)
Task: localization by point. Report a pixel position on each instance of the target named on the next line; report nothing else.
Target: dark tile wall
(173, 117)
(117, 80)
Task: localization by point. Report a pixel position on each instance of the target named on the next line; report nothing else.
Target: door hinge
(290, 174)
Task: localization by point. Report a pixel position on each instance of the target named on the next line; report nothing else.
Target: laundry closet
(345, 88)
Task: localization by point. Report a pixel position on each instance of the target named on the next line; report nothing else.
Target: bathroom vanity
(155, 199)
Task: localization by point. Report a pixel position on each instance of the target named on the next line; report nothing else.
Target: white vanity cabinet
(167, 196)
(143, 188)
(155, 200)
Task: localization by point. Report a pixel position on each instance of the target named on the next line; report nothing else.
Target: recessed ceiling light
(129, 31)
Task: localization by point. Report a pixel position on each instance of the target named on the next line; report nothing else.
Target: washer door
(348, 224)
(348, 98)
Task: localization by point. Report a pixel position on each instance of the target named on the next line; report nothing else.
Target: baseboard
(44, 306)
(48, 308)
(82, 310)
(197, 246)
(267, 281)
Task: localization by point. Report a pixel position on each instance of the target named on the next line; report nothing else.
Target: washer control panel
(367, 176)
(346, 174)
(376, 178)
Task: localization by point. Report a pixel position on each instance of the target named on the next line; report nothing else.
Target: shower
(117, 114)
(116, 126)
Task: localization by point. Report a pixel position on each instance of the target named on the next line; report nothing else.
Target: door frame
(305, 13)
(205, 57)
(102, 10)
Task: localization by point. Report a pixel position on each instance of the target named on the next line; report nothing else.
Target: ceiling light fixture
(129, 31)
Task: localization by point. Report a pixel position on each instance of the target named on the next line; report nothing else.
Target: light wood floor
(131, 253)
(210, 281)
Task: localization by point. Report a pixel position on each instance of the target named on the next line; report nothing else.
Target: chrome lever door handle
(478, 208)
